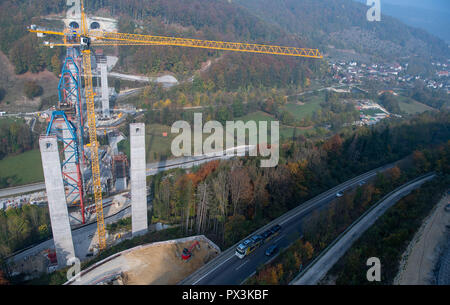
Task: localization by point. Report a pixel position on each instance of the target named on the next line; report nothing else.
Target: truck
(246, 247)
(249, 245)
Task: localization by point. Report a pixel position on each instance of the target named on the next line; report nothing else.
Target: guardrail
(301, 208)
(338, 238)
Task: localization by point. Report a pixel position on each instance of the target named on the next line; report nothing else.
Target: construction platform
(158, 263)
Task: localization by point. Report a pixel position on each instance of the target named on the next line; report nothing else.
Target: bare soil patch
(162, 264)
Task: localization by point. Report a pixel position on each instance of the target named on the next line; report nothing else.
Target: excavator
(187, 252)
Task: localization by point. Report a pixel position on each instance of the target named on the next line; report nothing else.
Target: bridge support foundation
(59, 216)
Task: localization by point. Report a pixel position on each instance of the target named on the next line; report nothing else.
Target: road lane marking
(248, 278)
(312, 203)
(242, 265)
(278, 238)
(326, 197)
(213, 269)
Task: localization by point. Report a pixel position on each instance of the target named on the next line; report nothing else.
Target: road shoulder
(422, 254)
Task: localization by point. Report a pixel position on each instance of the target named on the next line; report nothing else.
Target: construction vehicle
(85, 38)
(187, 252)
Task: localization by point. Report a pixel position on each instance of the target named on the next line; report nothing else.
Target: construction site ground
(154, 264)
(420, 258)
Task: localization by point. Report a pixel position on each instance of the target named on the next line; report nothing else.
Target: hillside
(432, 15)
(217, 20)
(337, 27)
(342, 24)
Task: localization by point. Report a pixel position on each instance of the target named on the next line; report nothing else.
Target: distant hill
(342, 24)
(333, 26)
(432, 15)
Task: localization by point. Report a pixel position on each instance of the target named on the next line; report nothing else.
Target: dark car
(275, 229)
(266, 234)
(272, 250)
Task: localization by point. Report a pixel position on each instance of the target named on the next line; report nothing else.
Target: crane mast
(96, 178)
(90, 110)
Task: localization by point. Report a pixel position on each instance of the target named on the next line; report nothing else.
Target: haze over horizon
(431, 15)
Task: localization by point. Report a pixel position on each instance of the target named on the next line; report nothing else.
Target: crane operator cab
(85, 42)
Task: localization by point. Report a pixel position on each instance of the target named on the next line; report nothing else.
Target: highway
(228, 269)
(322, 264)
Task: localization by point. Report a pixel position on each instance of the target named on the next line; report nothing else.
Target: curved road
(323, 263)
(228, 269)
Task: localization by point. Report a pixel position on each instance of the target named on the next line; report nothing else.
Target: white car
(340, 194)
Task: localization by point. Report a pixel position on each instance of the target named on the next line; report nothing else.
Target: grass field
(158, 146)
(285, 131)
(371, 111)
(8, 121)
(413, 106)
(22, 169)
(257, 116)
(310, 105)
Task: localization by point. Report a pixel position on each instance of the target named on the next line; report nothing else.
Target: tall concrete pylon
(104, 86)
(139, 224)
(59, 216)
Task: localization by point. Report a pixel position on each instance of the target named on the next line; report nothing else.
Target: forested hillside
(216, 20)
(343, 24)
(227, 200)
(327, 25)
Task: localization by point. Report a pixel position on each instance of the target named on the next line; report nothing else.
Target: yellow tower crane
(85, 38)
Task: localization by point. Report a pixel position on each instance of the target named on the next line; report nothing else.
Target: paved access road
(152, 168)
(228, 269)
(323, 264)
(82, 238)
(11, 191)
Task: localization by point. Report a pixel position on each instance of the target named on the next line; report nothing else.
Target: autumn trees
(20, 227)
(285, 267)
(227, 200)
(15, 137)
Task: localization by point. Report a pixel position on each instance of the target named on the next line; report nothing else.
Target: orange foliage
(3, 280)
(203, 172)
(270, 275)
(309, 250)
(333, 144)
(395, 173)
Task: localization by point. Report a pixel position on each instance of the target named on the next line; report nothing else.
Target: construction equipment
(187, 252)
(85, 38)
